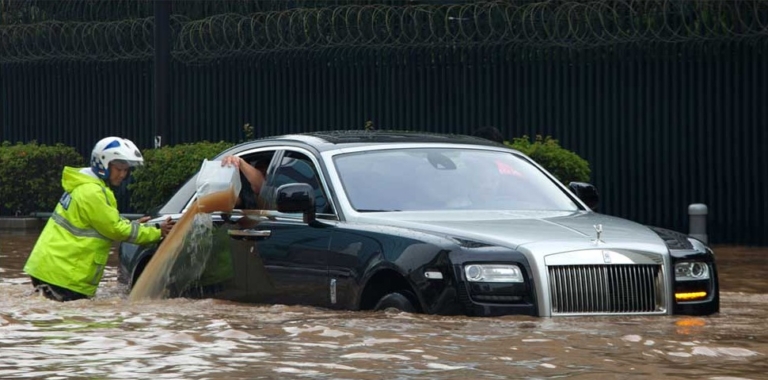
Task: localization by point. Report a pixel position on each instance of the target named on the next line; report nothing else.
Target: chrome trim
(250, 233)
(599, 230)
(601, 289)
(433, 275)
(333, 291)
(602, 256)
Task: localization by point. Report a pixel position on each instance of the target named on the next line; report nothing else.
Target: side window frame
(317, 168)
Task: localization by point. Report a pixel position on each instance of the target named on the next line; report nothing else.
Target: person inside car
(489, 133)
(254, 176)
(68, 259)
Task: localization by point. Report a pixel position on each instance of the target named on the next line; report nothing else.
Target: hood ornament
(599, 231)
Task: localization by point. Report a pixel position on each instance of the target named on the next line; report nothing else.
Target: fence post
(162, 65)
(697, 214)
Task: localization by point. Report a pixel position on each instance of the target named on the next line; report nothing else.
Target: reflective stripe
(80, 232)
(106, 197)
(134, 232)
(97, 277)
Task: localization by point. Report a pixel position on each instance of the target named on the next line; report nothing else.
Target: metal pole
(697, 214)
(162, 70)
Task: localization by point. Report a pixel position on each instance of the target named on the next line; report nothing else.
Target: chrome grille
(584, 289)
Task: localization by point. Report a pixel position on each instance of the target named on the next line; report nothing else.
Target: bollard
(697, 214)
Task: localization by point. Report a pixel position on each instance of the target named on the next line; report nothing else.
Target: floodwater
(110, 337)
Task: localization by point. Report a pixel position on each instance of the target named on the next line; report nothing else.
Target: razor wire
(31, 11)
(571, 24)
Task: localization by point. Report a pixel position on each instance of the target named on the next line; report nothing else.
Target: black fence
(665, 120)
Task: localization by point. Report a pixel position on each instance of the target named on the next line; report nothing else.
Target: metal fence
(664, 98)
(661, 127)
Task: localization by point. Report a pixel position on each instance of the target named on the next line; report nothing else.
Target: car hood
(539, 231)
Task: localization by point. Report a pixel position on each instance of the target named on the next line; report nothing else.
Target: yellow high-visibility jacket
(73, 248)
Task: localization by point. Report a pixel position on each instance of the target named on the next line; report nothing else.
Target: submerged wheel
(397, 301)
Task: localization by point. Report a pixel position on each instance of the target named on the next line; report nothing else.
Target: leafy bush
(30, 176)
(166, 169)
(565, 165)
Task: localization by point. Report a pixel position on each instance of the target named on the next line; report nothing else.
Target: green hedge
(30, 176)
(166, 169)
(565, 165)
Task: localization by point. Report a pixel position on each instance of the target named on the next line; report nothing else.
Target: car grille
(605, 289)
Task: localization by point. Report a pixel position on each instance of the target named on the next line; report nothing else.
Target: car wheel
(396, 301)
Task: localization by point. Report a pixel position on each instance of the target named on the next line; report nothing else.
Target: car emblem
(599, 230)
(606, 257)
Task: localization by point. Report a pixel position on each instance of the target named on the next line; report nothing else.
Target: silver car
(436, 224)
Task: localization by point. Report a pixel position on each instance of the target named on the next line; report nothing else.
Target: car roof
(326, 140)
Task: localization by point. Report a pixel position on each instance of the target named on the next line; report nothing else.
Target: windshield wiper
(367, 210)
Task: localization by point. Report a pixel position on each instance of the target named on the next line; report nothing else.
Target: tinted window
(295, 167)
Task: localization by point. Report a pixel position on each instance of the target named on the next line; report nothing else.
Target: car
(436, 224)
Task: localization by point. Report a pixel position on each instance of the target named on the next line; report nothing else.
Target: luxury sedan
(439, 224)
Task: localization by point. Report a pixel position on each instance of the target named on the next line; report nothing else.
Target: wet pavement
(110, 337)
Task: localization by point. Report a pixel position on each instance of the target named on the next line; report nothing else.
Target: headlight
(691, 271)
(493, 273)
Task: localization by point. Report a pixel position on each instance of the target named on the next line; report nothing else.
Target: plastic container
(218, 187)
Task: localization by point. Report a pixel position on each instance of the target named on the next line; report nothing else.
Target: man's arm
(254, 176)
(95, 207)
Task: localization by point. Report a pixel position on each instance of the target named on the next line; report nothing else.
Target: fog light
(493, 273)
(691, 271)
(690, 296)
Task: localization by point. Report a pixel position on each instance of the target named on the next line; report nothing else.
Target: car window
(443, 179)
(294, 167)
(259, 160)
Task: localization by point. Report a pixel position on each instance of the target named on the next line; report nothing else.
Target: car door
(285, 260)
(233, 270)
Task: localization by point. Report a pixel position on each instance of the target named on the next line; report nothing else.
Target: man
(69, 257)
(489, 133)
(253, 176)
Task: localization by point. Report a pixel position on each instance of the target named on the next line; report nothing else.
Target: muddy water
(109, 337)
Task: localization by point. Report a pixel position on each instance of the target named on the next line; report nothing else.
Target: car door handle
(252, 234)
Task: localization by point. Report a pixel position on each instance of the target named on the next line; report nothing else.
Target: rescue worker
(68, 259)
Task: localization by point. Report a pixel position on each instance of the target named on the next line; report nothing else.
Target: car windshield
(446, 179)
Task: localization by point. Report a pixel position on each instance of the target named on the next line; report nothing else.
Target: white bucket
(218, 187)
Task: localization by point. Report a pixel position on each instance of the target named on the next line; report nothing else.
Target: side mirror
(587, 193)
(297, 197)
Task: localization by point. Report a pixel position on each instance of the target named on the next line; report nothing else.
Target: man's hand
(144, 219)
(231, 161)
(166, 226)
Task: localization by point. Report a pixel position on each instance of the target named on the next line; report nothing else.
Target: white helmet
(110, 149)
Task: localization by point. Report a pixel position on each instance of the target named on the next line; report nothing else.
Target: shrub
(30, 176)
(565, 165)
(166, 169)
